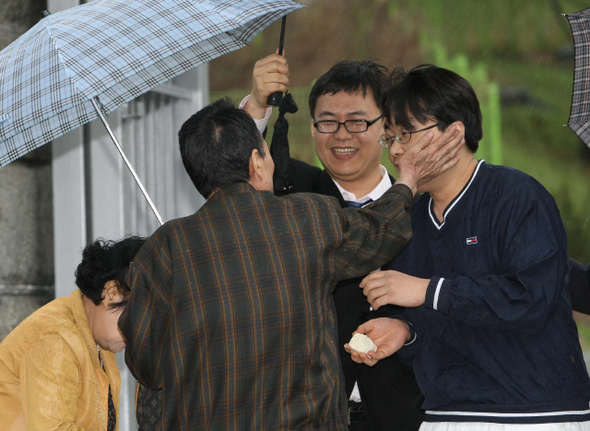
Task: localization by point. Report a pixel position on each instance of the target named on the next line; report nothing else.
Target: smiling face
(352, 159)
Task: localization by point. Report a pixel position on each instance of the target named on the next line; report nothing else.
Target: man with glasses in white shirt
(347, 121)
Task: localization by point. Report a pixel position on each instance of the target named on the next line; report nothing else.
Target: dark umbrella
(279, 148)
(579, 120)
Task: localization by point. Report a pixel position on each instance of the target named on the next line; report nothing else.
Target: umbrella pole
(129, 166)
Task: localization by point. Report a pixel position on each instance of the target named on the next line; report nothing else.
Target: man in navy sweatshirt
(484, 281)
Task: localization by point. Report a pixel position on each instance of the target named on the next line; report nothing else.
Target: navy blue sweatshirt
(496, 340)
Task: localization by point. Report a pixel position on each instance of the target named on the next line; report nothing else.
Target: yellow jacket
(50, 374)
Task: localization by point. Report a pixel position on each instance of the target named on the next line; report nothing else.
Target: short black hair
(105, 260)
(431, 93)
(352, 77)
(216, 144)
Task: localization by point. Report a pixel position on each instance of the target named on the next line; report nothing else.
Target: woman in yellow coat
(58, 367)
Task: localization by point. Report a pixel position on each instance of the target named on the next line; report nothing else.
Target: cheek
(371, 141)
(113, 327)
(373, 148)
(318, 138)
(320, 146)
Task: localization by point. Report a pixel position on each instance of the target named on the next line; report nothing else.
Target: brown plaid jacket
(231, 311)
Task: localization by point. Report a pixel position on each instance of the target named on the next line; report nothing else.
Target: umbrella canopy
(579, 120)
(113, 50)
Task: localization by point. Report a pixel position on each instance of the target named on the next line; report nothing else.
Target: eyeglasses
(401, 135)
(352, 126)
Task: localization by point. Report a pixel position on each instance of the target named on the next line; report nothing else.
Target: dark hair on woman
(352, 77)
(431, 93)
(103, 261)
(216, 144)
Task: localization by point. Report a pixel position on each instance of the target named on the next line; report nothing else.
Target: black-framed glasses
(352, 126)
(401, 135)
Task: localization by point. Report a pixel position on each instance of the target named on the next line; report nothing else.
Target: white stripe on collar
(454, 201)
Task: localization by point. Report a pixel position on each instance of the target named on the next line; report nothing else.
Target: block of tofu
(362, 343)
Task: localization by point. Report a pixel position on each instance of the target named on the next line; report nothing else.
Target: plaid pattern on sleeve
(231, 310)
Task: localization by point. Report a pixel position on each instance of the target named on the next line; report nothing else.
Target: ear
(111, 293)
(460, 126)
(255, 167)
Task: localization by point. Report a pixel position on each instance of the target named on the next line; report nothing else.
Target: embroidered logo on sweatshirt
(471, 240)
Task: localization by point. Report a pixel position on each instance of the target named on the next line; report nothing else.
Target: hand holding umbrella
(270, 74)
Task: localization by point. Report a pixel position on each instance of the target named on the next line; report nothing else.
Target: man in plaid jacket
(231, 312)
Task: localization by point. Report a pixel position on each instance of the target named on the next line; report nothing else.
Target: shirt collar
(454, 201)
(375, 194)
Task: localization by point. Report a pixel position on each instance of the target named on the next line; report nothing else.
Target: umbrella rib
(95, 103)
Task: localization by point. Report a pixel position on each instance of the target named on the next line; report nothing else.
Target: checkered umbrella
(579, 120)
(98, 56)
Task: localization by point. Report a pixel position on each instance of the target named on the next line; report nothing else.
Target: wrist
(409, 181)
(411, 337)
(252, 107)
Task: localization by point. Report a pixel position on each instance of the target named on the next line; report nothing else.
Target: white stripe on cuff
(437, 293)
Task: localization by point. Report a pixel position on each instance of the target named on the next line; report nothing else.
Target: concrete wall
(26, 212)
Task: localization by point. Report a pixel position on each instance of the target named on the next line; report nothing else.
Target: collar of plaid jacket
(234, 189)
